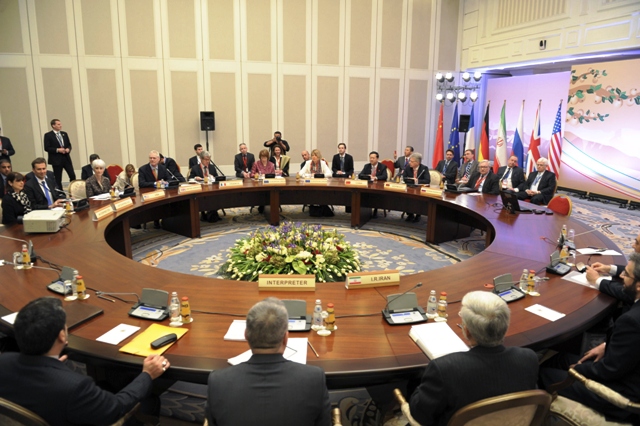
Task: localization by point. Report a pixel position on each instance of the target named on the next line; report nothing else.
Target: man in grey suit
(488, 369)
(468, 167)
(268, 389)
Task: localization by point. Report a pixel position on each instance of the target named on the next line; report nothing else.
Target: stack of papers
(296, 351)
(236, 331)
(437, 339)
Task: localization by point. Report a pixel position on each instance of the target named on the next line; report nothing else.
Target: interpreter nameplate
(372, 279)
(287, 282)
(153, 195)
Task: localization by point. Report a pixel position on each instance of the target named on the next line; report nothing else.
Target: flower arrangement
(291, 248)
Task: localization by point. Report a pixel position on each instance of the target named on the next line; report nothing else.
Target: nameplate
(101, 213)
(372, 279)
(287, 282)
(274, 181)
(316, 181)
(192, 187)
(398, 187)
(431, 192)
(230, 184)
(153, 195)
(123, 204)
(356, 182)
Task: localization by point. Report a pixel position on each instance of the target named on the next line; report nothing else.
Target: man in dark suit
(305, 157)
(202, 173)
(6, 149)
(87, 170)
(484, 180)
(401, 163)
(468, 167)
(511, 176)
(268, 389)
(58, 146)
(5, 169)
(614, 363)
(243, 162)
(195, 159)
(448, 168)
(41, 189)
(372, 172)
(540, 185)
(38, 379)
(172, 168)
(152, 172)
(418, 174)
(488, 369)
(342, 163)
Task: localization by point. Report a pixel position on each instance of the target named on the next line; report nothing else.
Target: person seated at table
(484, 180)
(196, 158)
(488, 369)
(342, 163)
(281, 162)
(468, 167)
(511, 176)
(420, 174)
(373, 171)
(41, 188)
(400, 164)
(87, 170)
(243, 162)
(153, 172)
(124, 178)
(98, 183)
(5, 169)
(540, 185)
(201, 173)
(39, 380)
(316, 165)
(15, 203)
(305, 157)
(448, 167)
(268, 389)
(172, 168)
(262, 167)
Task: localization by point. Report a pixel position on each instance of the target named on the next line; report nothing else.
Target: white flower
(304, 255)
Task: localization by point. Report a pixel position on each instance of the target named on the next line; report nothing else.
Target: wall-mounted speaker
(207, 120)
(464, 123)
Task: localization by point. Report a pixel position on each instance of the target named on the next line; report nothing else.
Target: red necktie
(244, 160)
(415, 173)
(479, 182)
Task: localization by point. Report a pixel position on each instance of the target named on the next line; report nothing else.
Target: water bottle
(174, 310)
(432, 305)
(524, 281)
(317, 314)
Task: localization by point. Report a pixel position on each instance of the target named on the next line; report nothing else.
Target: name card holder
(123, 204)
(316, 181)
(153, 195)
(192, 187)
(102, 212)
(274, 181)
(431, 192)
(372, 279)
(287, 282)
(356, 182)
(230, 183)
(398, 187)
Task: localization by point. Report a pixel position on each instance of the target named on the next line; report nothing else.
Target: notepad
(296, 351)
(437, 339)
(141, 344)
(236, 331)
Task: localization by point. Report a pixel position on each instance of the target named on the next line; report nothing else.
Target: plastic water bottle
(524, 284)
(174, 310)
(317, 314)
(432, 305)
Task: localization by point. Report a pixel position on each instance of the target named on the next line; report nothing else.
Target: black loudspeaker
(464, 123)
(207, 120)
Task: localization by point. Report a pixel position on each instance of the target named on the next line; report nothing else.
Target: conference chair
(77, 189)
(517, 408)
(565, 411)
(435, 178)
(561, 204)
(114, 170)
(390, 166)
(134, 181)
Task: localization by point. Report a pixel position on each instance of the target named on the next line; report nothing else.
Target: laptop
(511, 203)
(451, 187)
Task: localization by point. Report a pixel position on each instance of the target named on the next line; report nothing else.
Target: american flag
(555, 147)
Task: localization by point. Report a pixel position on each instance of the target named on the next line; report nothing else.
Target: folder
(141, 344)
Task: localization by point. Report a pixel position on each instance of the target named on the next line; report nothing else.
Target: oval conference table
(364, 350)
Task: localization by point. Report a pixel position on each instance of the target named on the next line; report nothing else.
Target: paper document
(603, 252)
(545, 312)
(296, 351)
(579, 278)
(437, 339)
(118, 334)
(236, 331)
(101, 197)
(11, 318)
(141, 344)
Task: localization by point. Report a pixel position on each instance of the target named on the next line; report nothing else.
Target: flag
(517, 148)
(555, 147)
(438, 151)
(470, 140)
(501, 143)
(454, 136)
(534, 145)
(484, 137)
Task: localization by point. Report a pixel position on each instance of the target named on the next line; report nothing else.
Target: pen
(459, 325)
(106, 298)
(313, 349)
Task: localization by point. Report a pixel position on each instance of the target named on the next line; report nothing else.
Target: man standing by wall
(58, 146)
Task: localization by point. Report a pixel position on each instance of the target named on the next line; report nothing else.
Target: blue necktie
(46, 193)
(506, 175)
(535, 182)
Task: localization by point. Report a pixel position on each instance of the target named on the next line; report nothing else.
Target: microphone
(217, 168)
(67, 195)
(102, 294)
(32, 253)
(385, 309)
(172, 175)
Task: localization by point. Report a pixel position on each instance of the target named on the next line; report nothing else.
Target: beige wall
(128, 76)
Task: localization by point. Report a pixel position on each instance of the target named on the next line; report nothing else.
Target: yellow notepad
(141, 344)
